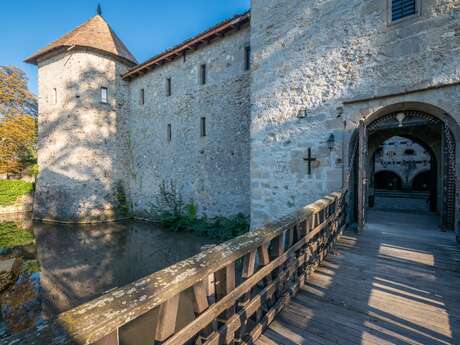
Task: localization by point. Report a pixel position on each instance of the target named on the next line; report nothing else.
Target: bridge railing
(226, 294)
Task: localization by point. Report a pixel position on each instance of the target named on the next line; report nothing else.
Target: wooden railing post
(166, 319)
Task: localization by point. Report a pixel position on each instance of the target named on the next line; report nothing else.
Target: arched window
(422, 181)
(387, 180)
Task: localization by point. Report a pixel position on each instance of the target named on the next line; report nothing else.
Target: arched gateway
(426, 125)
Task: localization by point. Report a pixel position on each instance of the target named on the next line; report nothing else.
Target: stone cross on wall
(309, 159)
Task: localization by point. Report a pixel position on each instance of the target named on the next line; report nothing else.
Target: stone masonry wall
(212, 170)
(310, 56)
(82, 142)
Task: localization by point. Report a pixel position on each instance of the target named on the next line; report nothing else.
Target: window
(168, 133)
(402, 8)
(247, 58)
(409, 152)
(168, 87)
(103, 95)
(142, 97)
(203, 74)
(55, 97)
(203, 126)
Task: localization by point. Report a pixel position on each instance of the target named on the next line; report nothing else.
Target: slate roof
(94, 34)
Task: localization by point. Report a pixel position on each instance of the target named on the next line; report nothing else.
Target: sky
(147, 27)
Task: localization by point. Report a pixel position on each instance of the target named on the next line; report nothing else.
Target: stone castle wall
(81, 147)
(311, 56)
(213, 171)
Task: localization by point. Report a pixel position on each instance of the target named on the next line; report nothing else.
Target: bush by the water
(13, 236)
(10, 190)
(172, 212)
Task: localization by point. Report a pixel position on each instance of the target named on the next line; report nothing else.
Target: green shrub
(170, 211)
(11, 190)
(13, 236)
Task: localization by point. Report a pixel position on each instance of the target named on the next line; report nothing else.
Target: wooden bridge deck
(396, 283)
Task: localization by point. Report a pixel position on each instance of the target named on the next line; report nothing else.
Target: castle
(259, 115)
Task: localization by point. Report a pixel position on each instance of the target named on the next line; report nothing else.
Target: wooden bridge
(397, 282)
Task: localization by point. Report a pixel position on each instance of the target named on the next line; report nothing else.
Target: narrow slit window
(203, 126)
(203, 74)
(402, 8)
(168, 87)
(55, 96)
(104, 95)
(142, 97)
(168, 133)
(247, 58)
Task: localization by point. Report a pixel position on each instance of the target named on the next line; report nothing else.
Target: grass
(11, 190)
(31, 266)
(12, 236)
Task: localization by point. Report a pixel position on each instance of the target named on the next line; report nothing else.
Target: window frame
(55, 96)
(202, 74)
(203, 129)
(169, 87)
(247, 57)
(142, 96)
(390, 21)
(168, 133)
(104, 92)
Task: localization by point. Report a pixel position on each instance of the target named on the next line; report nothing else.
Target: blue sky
(147, 27)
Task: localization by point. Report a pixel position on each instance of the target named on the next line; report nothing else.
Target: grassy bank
(12, 236)
(11, 190)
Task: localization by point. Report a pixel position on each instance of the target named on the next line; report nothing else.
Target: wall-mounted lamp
(331, 142)
(302, 114)
(400, 117)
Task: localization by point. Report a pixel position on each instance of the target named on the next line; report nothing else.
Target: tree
(18, 136)
(15, 97)
(18, 124)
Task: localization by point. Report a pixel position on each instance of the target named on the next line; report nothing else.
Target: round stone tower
(83, 143)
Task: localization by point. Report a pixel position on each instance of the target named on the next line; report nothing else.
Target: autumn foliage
(18, 124)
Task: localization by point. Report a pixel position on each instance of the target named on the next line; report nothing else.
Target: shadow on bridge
(395, 283)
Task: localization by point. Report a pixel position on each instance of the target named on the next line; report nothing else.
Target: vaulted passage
(404, 175)
(395, 283)
(404, 161)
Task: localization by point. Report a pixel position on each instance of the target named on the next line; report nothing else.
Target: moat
(78, 263)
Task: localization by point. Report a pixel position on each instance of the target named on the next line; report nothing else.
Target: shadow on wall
(80, 151)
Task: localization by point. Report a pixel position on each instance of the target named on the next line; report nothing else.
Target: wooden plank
(167, 316)
(384, 304)
(264, 257)
(200, 297)
(249, 264)
(110, 339)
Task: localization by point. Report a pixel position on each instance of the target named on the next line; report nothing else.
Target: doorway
(403, 161)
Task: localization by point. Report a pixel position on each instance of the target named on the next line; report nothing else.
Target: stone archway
(397, 118)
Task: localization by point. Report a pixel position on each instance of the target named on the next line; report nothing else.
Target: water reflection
(79, 263)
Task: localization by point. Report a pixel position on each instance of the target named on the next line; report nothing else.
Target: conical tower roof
(95, 34)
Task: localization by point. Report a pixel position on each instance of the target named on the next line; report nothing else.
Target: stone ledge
(23, 204)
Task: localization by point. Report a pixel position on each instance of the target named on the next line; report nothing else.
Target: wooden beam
(167, 316)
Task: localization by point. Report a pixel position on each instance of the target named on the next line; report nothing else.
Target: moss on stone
(123, 208)
(12, 236)
(11, 190)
